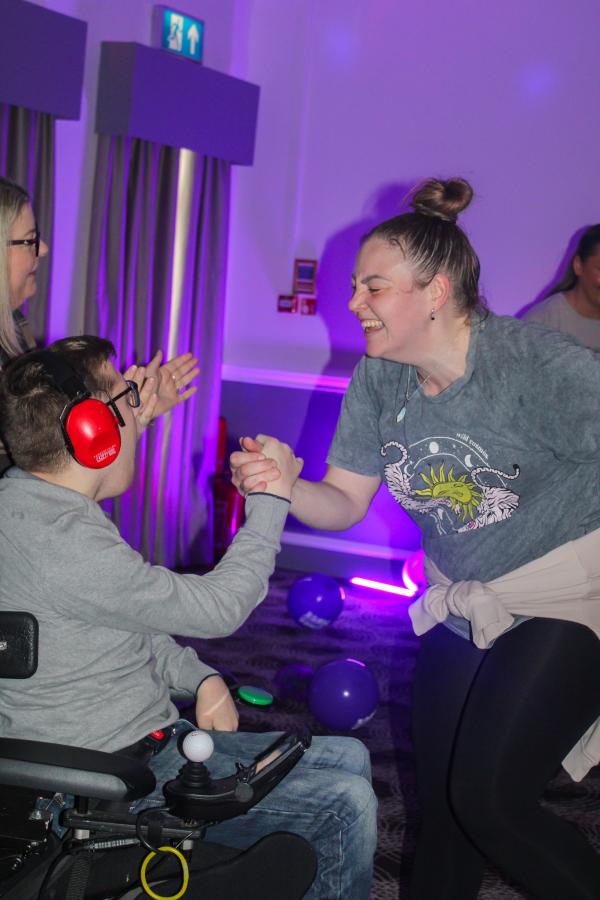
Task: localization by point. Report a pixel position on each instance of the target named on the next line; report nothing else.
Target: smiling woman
(20, 252)
(469, 417)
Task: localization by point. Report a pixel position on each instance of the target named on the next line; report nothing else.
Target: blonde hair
(12, 200)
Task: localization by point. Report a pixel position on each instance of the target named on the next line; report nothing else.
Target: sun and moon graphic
(439, 479)
(440, 469)
(464, 494)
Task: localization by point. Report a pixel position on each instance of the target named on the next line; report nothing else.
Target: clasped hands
(264, 464)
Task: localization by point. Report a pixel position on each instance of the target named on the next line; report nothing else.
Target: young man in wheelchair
(106, 659)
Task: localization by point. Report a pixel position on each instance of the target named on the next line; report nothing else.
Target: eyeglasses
(28, 242)
(133, 399)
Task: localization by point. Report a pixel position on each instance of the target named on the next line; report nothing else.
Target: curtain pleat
(27, 157)
(167, 512)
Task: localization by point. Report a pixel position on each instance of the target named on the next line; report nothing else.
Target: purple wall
(363, 98)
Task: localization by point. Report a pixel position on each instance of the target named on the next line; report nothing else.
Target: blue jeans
(327, 798)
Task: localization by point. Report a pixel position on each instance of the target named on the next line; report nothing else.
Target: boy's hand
(172, 380)
(250, 468)
(215, 709)
(148, 397)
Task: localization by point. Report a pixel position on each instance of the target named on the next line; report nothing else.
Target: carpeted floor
(376, 630)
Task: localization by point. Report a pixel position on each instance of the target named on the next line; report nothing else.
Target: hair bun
(442, 199)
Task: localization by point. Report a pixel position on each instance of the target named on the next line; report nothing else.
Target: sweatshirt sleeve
(122, 591)
(179, 667)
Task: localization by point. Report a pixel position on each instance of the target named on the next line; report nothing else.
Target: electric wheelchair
(106, 853)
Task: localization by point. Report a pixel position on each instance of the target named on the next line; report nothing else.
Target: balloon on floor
(315, 600)
(343, 694)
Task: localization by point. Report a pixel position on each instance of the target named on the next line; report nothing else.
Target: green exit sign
(178, 33)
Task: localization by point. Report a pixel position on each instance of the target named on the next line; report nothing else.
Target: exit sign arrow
(193, 36)
(178, 33)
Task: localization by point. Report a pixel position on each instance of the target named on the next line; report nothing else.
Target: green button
(255, 695)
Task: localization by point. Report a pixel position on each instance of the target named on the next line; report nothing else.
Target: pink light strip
(408, 591)
(408, 582)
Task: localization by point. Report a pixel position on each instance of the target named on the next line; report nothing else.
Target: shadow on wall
(560, 271)
(385, 524)
(334, 276)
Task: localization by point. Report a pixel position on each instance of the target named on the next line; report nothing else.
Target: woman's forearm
(330, 506)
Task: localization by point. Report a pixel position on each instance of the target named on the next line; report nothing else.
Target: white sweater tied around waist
(563, 584)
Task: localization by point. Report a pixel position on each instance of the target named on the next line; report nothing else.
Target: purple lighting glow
(382, 586)
(413, 577)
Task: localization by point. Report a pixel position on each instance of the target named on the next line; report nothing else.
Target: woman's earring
(432, 315)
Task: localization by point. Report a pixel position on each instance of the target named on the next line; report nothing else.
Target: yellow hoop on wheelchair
(184, 867)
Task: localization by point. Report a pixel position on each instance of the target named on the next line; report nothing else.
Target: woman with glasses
(161, 386)
(20, 251)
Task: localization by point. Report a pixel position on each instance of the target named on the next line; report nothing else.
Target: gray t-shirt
(498, 469)
(557, 313)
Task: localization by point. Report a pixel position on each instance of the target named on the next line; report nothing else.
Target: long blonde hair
(12, 200)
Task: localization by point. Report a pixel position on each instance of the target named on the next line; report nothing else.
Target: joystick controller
(194, 795)
(198, 746)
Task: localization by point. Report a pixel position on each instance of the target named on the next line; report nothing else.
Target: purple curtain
(167, 512)
(27, 157)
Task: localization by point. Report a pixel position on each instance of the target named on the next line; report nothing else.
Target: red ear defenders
(90, 428)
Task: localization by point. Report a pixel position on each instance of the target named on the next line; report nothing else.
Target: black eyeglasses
(133, 399)
(28, 242)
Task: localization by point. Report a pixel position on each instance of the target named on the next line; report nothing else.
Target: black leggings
(490, 730)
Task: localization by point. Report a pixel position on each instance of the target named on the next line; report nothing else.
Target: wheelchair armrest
(73, 770)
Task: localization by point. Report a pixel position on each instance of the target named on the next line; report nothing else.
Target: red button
(158, 734)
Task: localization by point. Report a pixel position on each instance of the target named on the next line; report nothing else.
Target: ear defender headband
(90, 428)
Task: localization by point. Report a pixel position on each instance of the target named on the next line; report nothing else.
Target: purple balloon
(315, 600)
(343, 694)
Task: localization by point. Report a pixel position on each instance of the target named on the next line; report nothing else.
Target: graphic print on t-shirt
(439, 478)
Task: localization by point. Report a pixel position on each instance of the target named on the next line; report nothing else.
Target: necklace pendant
(401, 414)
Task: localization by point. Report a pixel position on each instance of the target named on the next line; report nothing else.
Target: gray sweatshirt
(106, 658)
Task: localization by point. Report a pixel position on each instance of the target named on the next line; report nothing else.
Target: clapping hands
(162, 387)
